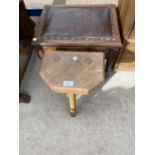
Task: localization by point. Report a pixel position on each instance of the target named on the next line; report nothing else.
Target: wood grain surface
(127, 16)
(86, 72)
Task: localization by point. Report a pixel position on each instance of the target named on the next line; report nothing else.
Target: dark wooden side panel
(25, 51)
(26, 32)
(26, 25)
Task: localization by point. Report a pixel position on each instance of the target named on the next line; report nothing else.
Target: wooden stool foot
(72, 103)
(24, 98)
(73, 114)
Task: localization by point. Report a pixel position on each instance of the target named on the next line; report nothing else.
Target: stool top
(86, 25)
(72, 72)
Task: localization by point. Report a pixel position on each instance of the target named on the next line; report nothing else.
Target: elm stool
(72, 73)
(72, 42)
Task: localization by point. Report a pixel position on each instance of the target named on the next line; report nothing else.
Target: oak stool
(72, 73)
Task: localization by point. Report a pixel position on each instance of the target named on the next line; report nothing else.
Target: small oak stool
(72, 73)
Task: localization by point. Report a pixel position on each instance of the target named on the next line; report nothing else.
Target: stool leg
(40, 52)
(72, 103)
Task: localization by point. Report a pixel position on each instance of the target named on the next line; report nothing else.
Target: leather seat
(78, 22)
(78, 25)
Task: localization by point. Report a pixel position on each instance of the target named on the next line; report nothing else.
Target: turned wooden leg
(72, 103)
(40, 53)
(111, 60)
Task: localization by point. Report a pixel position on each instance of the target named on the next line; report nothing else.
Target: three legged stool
(72, 73)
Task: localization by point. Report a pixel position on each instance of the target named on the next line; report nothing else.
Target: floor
(104, 124)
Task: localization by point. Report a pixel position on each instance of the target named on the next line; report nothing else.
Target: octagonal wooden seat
(72, 72)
